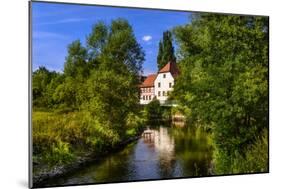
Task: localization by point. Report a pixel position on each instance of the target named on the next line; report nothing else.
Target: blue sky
(54, 26)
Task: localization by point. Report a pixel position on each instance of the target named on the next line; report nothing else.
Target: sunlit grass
(58, 138)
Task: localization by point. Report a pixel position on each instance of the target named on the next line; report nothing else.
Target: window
(149, 89)
(164, 75)
(163, 93)
(159, 93)
(170, 85)
(168, 92)
(159, 84)
(149, 97)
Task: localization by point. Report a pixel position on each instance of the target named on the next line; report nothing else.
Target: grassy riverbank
(61, 139)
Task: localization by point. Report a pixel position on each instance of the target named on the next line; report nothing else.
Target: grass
(60, 138)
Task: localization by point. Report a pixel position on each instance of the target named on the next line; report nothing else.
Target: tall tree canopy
(224, 79)
(166, 50)
(100, 78)
(113, 87)
(76, 60)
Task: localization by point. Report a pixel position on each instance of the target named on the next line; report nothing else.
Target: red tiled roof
(170, 67)
(149, 81)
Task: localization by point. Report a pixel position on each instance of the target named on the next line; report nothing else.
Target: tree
(41, 79)
(122, 47)
(166, 50)
(113, 85)
(76, 60)
(70, 94)
(153, 111)
(224, 79)
(96, 42)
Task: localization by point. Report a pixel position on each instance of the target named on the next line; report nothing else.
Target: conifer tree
(166, 50)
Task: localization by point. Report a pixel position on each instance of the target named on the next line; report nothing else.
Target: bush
(254, 158)
(59, 154)
(134, 124)
(59, 138)
(153, 111)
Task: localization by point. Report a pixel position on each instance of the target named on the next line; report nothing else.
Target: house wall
(164, 86)
(146, 95)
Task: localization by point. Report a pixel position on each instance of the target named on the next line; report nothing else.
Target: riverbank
(41, 178)
(64, 142)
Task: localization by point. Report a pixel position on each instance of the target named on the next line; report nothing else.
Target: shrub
(253, 159)
(59, 138)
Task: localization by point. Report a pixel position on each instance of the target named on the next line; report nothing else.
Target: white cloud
(64, 21)
(146, 38)
(47, 35)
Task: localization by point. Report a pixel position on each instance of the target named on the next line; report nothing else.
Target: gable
(170, 67)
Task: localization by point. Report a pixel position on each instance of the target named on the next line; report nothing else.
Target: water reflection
(162, 152)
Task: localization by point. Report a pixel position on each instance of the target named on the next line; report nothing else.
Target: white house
(159, 85)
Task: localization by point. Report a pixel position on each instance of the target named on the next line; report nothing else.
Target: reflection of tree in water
(109, 169)
(194, 151)
(115, 168)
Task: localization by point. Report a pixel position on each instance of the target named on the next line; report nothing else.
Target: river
(168, 152)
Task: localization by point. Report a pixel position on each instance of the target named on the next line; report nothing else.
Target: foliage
(153, 110)
(76, 61)
(58, 138)
(224, 78)
(254, 158)
(43, 84)
(166, 50)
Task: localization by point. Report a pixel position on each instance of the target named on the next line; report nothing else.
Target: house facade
(159, 85)
(147, 91)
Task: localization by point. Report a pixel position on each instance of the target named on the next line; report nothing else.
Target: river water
(165, 153)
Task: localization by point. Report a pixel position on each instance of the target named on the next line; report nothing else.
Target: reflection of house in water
(164, 145)
(163, 142)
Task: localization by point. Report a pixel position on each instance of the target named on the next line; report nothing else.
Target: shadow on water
(166, 152)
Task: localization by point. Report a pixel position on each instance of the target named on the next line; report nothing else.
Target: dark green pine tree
(166, 50)
(160, 55)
